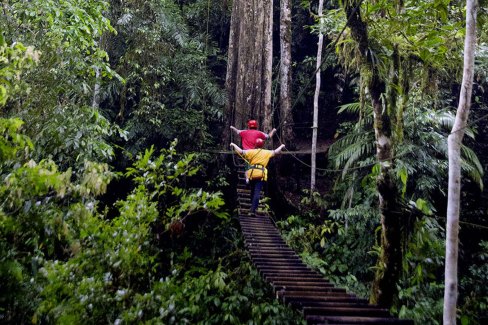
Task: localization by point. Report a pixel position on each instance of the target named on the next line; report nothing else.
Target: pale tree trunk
(454, 151)
(96, 89)
(249, 66)
(390, 260)
(316, 101)
(285, 72)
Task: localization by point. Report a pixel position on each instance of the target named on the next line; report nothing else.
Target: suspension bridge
(293, 282)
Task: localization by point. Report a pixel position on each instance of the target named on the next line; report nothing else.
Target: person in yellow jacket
(257, 158)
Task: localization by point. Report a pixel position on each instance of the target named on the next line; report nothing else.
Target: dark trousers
(256, 186)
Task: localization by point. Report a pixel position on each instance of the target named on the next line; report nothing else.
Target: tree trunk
(96, 89)
(316, 102)
(120, 118)
(285, 72)
(244, 74)
(249, 66)
(454, 152)
(231, 76)
(267, 123)
(390, 260)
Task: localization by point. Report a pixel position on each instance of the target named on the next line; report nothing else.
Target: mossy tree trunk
(390, 260)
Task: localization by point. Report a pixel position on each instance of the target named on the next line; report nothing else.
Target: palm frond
(472, 173)
(350, 108)
(471, 165)
(446, 120)
(355, 108)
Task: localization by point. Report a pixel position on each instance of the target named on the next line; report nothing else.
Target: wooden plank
(345, 311)
(311, 288)
(357, 320)
(308, 294)
(303, 282)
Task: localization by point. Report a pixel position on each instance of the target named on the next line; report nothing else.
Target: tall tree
(285, 71)
(316, 99)
(384, 286)
(248, 79)
(454, 151)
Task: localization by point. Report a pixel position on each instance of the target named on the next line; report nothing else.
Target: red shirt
(249, 138)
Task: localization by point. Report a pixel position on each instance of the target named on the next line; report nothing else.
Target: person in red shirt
(250, 135)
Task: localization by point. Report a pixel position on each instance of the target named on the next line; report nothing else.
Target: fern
(351, 148)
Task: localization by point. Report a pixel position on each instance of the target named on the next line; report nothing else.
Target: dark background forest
(118, 190)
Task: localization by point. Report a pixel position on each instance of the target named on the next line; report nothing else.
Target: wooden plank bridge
(293, 282)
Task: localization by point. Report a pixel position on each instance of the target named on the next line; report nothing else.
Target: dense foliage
(416, 46)
(76, 249)
(163, 64)
(111, 212)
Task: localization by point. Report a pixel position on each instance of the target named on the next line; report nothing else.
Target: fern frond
(348, 140)
(366, 123)
(364, 150)
(352, 148)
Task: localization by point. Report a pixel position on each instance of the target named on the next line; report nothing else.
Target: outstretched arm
(236, 148)
(270, 135)
(237, 131)
(277, 151)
